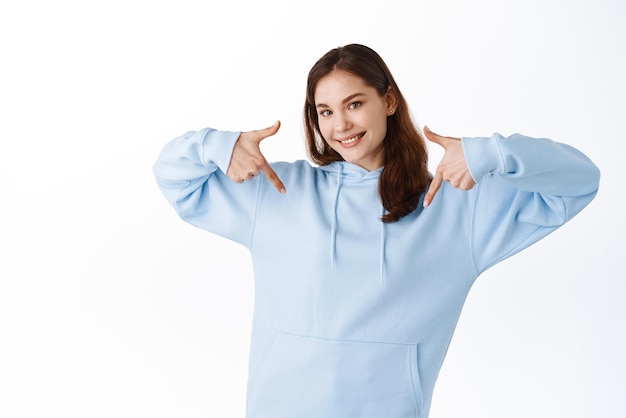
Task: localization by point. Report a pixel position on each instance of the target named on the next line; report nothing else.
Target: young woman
(363, 261)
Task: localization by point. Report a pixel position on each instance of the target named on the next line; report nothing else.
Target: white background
(111, 306)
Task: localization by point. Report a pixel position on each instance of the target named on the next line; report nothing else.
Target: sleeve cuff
(217, 148)
(483, 156)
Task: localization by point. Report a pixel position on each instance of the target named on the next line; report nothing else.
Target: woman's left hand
(452, 168)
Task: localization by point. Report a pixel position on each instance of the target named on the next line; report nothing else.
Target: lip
(358, 137)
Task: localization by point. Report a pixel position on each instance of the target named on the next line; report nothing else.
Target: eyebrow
(346, 100)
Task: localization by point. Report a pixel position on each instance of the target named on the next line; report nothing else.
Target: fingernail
(283, 191)
(426, 203)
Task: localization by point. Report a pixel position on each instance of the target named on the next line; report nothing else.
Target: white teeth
(351, 140)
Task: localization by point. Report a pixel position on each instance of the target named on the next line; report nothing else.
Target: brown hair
(405, 175)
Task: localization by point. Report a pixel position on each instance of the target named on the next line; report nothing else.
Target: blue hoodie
(353, 316)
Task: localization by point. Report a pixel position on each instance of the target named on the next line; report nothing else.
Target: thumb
(264, 133)
(433, 137)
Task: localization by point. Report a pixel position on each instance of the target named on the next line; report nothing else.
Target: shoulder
(296, 168)
(298, 172)
(298, 165)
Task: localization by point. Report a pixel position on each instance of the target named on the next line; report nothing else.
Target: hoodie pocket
(301, 376)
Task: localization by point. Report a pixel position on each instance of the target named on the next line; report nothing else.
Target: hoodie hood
(349, 173)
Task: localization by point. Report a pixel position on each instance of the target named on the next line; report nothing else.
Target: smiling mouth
(352, 139)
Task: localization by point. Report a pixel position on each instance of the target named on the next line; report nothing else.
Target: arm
(190, 171)
(525, 189)
(194, 172)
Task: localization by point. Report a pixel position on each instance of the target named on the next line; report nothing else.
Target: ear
(391, 101)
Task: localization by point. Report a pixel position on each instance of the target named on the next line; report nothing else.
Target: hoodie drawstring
(333, 228)
(333, 231)
(382, 247)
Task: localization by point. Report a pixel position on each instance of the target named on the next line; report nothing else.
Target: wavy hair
(405, 173)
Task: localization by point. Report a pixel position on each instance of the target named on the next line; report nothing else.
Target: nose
(342, 122)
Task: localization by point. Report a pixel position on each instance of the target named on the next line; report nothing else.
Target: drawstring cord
(382, 248)
(333, 229)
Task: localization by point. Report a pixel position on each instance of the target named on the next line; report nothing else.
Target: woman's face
(353, 118)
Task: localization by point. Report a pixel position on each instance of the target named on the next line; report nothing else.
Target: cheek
(325, 130)
(381, 125)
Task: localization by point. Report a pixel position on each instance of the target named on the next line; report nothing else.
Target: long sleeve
(190, 172)
(526, 188)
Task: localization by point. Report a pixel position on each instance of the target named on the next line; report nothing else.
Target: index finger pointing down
(435, 184)
(273, 177)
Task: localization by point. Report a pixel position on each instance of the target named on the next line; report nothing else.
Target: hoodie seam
(203, 146)
(501, 155)
(473, 229)
(520, 245)
(255, 211)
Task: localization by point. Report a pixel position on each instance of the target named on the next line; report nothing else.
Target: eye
(325, 113)
(354, 105)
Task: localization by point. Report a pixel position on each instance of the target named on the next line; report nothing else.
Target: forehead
(337, 85)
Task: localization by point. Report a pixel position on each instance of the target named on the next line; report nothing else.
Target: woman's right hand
(247, 160)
